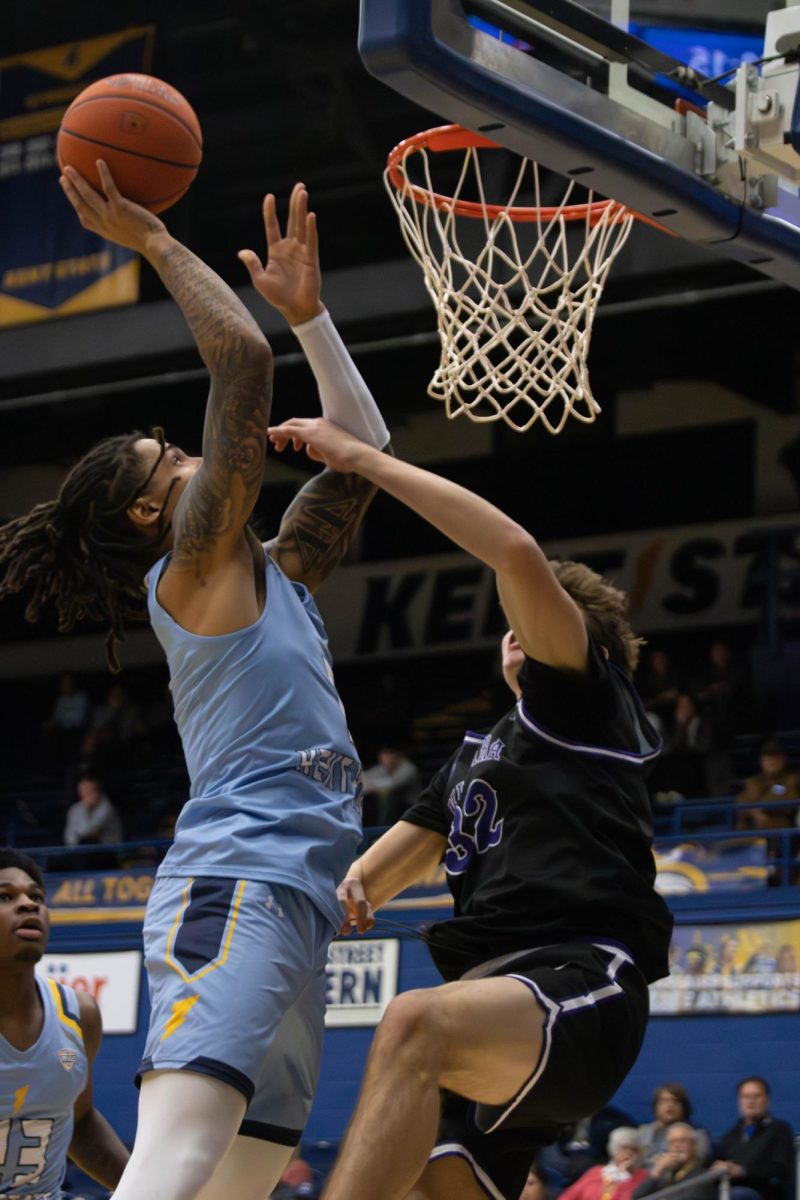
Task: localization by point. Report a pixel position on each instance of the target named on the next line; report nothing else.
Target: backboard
(629, 106)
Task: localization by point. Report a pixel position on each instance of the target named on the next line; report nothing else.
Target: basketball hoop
(515, 312)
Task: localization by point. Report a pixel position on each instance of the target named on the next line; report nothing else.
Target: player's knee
(411, 1028)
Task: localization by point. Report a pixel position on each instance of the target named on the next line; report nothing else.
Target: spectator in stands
(158, 717)
(671, 1103)
(582, 1145)
(680, 772)
(297, 1180)
(66, 723)
(758, 1151)
(720, 692)
(537, 1185)
(393, 783)
(92, 820)
(114, 728)
(774, 782)
(658, 685)
(620, 1176)
(677, 1163)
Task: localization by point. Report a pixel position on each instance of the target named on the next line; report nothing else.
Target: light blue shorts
(236, 971)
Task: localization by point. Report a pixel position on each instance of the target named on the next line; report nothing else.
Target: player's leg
(186, 1125)
(285, 1086)
(446, 1178)
(534, 1050)
(226, 960)
(481, 1038)
(249, 1171)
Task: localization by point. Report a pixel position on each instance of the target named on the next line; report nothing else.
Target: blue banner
(746, 968)
(49, 265)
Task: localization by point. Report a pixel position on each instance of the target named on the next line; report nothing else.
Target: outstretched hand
(290, 280)
(357, 910)
(324, 442)
(110, 215)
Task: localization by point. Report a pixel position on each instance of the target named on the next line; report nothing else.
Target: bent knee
(413, 1021)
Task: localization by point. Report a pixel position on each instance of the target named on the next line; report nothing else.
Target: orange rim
(455, 137)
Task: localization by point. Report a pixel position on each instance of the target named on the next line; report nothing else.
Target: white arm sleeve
(346, 399)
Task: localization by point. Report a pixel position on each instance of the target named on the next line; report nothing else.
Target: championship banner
(748, 968)
(49, 264)
(730, 865)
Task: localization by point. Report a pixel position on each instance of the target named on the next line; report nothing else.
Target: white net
(515, 289)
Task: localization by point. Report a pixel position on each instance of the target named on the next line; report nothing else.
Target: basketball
(144, 129)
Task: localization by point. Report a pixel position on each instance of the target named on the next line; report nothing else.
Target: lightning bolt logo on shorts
(180, 1011)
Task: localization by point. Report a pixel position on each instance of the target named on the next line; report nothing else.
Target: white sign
(688, 576)
(361, 979)
(112, 978)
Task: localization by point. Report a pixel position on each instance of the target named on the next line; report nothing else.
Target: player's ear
(605, 653)
(144, 513)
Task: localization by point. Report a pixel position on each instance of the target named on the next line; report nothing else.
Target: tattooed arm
(209, 519)
(319, 525)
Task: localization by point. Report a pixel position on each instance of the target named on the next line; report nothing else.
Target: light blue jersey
(38, 1088)
(275, 779)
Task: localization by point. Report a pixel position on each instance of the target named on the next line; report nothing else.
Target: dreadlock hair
(605, 608)
(80, 552)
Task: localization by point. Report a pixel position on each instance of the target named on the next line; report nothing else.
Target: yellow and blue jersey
(38, 1088)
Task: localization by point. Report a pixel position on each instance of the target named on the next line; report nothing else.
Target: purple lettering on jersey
(474, 828)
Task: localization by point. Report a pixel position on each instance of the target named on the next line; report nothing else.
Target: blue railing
(721, 813)
(704, 822)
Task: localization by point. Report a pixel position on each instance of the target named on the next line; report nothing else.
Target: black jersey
(549, 826)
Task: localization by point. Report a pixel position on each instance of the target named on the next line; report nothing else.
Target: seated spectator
(620, 1175)
(92, 820)
(658, 685)
(297, 1180)
(680, 772)
(758, 1151)
(671, 1101)
(537, 1185)
(114, 727)
(679, 1162)
(582, 1145)
(775, 782)
(159, 721)
(67, 721)
(393, 783)
(721, 692)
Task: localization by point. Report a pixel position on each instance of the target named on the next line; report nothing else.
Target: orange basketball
(144, 129)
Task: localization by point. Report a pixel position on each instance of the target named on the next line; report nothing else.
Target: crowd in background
(115, 766)
(610, 1156)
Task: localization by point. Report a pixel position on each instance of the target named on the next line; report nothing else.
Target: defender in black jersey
(544, 827)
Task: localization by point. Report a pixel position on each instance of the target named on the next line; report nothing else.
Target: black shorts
(596, 1005)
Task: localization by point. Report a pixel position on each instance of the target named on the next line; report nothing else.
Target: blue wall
(708, 1054)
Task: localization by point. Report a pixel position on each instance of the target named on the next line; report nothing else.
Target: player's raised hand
(109, 214)
(324, 441)
(358, 914)
(290, 280)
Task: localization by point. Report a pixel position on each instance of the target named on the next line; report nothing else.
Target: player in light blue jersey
(245, 905)
(49, 1037)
